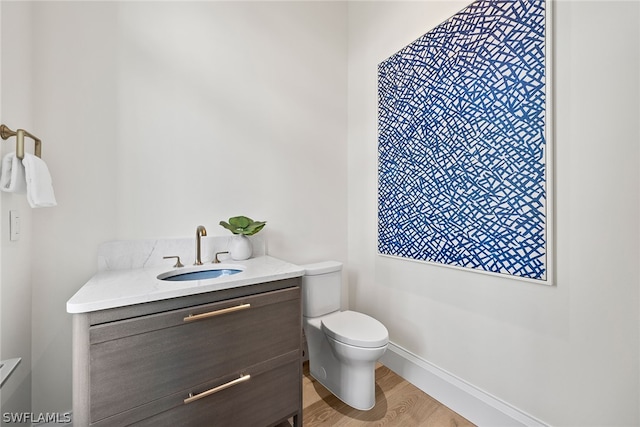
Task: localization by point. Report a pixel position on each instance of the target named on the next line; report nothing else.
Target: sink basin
(200, 272)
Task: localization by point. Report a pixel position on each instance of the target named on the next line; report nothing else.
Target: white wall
(74, 109)
(157, 117)
(567, 354)
(16, 257)
(160, 116)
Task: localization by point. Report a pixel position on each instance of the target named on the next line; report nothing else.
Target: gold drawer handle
(193, 398)
(192, 317)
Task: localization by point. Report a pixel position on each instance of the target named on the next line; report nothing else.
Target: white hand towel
(39, 184)
(12, 177)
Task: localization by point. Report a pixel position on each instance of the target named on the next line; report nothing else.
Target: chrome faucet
(200, 231)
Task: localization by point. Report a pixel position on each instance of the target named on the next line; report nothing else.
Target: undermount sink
(200, 272)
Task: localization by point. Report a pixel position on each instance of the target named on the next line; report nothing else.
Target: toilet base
(355, 386)
(346, 371)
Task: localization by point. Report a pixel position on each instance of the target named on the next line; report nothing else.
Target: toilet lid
(357, 329)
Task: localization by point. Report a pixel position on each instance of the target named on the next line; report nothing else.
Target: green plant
(243, 225)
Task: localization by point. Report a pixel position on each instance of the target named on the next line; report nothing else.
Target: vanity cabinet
(223, 358)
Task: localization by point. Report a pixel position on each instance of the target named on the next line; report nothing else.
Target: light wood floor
(398, 403)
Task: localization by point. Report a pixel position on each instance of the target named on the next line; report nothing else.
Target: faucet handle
(178, 263)
(216, 260)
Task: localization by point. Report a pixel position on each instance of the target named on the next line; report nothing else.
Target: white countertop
(118, 288)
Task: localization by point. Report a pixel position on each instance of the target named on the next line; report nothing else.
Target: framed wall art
(464, 143)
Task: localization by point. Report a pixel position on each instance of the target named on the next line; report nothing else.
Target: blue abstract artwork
(462, 143)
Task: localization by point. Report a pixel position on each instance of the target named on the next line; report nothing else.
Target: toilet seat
(356, 329)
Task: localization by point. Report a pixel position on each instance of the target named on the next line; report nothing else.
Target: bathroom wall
(160, 116)
(15, 256)
(568, 354)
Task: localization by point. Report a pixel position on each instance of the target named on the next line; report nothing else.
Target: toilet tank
(321, 288)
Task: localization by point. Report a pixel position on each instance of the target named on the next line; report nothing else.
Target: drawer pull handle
(192, 317)
(194, 397)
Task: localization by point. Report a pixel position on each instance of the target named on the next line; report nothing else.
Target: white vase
(240, 247)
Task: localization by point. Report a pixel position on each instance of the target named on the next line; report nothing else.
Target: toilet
(343, 345)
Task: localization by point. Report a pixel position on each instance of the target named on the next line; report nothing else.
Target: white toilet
(343, 345)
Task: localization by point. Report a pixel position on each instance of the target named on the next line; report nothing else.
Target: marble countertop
(118, 288)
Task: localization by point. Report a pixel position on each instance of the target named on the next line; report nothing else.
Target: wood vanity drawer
(269, 395)
(139, 360)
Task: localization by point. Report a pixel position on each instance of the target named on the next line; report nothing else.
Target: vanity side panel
(80, 370)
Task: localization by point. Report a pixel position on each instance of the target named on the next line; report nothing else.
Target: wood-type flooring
(398, 403)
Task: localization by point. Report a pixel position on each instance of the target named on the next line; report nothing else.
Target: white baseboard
(474, 404)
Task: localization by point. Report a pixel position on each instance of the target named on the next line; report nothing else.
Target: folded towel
(39, 186)
(12, 177)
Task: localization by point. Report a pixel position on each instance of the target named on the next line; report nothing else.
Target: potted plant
(242, 226)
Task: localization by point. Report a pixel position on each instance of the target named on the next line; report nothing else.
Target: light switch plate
(14, 226)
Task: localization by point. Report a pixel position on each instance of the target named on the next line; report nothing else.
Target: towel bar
(7, 133)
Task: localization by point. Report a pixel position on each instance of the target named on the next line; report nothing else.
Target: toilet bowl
(343, 345)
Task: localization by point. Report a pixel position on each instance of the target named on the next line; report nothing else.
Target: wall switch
(14, 226)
